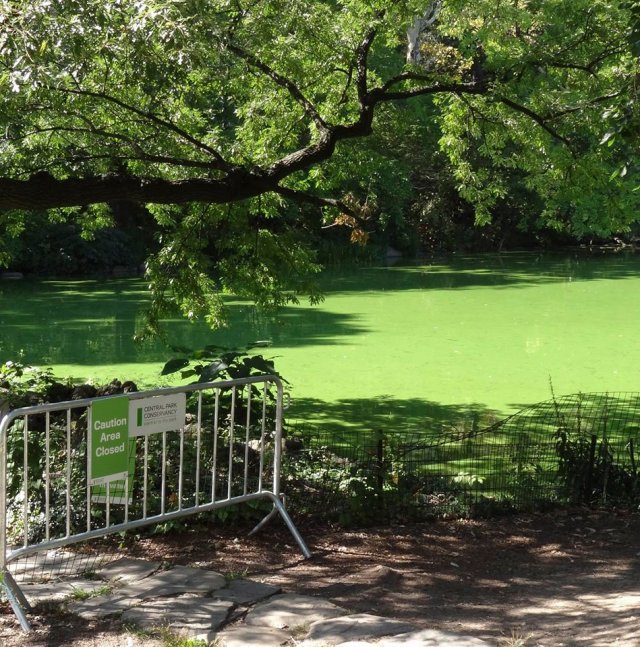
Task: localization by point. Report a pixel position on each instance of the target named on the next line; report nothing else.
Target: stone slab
(59, 590)
(128, 570)
(244, 635)
(192, 613)
(246, 592)
(176, 581)
(360, 626)
(102, 606)
(422, 638)
(53, 564)
(290, 610)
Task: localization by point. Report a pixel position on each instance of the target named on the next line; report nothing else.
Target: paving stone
(422, 638)
(195, 614)
(58, 590)
(244, 635)
(176, 581)
(53, 564)
(246, 592)
(361, 626)
(128, 570)
(102, 606)
(291, 610)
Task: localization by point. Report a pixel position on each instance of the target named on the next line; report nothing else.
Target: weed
(80, 594)
(236, 575)
(171, 639)
(517, 639)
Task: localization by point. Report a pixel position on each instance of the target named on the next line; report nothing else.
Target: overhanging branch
(309, 198)
(535, 117)
(43, 191)
(222, 164)
(283, 82)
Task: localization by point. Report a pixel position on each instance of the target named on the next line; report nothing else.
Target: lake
(400, 347)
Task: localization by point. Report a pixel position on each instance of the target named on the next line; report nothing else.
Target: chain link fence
(576, 449)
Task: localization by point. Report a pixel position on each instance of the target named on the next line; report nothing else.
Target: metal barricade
(79, 470)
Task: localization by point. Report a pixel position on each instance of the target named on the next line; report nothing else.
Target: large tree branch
(537, 118)
(141, 156)
(153, 118)
(43, 191)
(283, 82)
(382, 93)
(573, 109)
(362, 67)
(309, 198)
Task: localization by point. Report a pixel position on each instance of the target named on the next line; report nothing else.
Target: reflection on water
(473, 331)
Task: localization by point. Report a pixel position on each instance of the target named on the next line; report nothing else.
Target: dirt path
(570, 578)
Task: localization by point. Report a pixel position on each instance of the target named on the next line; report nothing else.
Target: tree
(222, 115)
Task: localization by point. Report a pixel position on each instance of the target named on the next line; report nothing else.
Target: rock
(423, 638)
(102, 606)
(244, 635)
(128, 570)
(291, 610)
(246, 592)
(189, 615)
(178, 580)
(361, 626)
(83, 392)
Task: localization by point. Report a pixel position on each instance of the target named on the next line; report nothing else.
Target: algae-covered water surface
(390, 347)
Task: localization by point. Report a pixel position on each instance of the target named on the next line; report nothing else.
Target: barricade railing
(78, 470)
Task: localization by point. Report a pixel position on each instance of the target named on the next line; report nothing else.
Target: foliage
(22, 385)
(59, 249)
(545, 115)
(223, 117)
(587, 467)
(218, 362)
(366, 485)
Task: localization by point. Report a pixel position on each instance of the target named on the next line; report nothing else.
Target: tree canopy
(223, 116)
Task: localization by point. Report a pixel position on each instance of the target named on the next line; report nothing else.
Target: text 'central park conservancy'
(157, 414)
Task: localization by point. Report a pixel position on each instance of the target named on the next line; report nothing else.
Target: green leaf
(211, 371)
(174, 365)
(608, 136)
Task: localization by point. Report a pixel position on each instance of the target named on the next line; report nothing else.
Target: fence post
(15, 596)
(380, 468)
(588, 485)
(634, 469)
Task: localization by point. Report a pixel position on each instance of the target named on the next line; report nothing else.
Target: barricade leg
(16, 599)
(278, 507)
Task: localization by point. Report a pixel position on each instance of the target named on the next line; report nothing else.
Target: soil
(562, 579)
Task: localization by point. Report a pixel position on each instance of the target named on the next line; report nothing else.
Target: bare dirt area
(561, 579)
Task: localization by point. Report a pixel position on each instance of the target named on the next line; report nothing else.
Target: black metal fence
(576, 449)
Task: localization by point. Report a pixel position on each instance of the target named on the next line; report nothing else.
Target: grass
(167, 637)
(171, 639)
(516, 639)
(79, 594)
(236, 575)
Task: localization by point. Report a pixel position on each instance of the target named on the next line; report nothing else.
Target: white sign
(157, 414)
